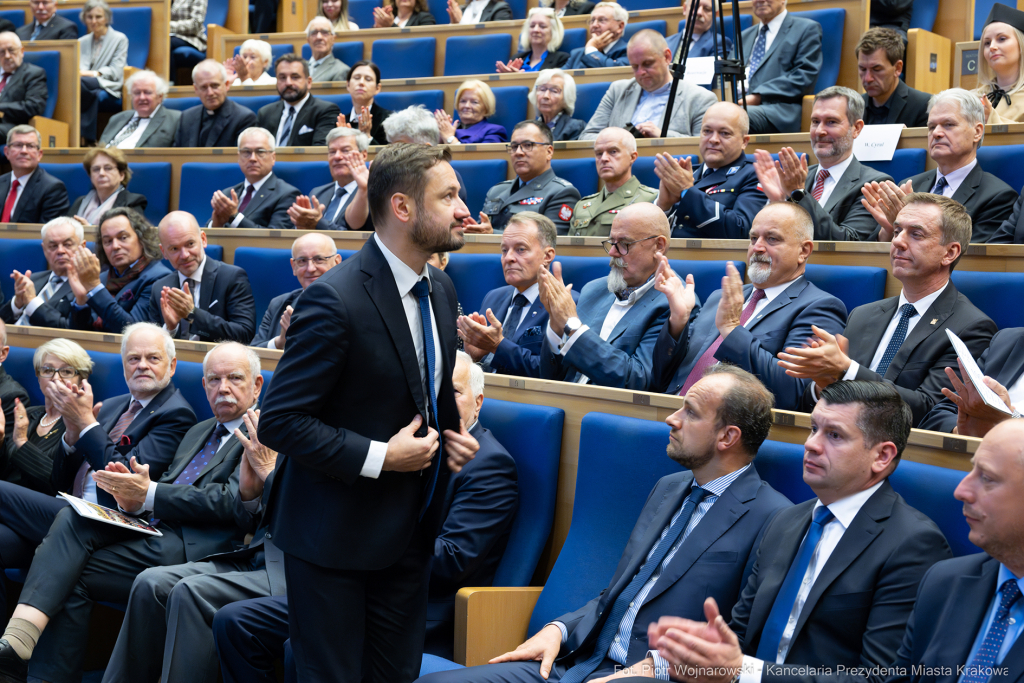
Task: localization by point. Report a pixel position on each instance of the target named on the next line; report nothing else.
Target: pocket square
(304, 130)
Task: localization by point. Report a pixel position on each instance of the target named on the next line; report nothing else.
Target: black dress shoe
(13, 669)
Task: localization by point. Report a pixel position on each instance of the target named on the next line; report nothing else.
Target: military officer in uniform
(535, 188)
(719, 198)
(615, 152)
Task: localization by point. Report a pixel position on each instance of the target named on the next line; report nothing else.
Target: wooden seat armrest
(491, 621)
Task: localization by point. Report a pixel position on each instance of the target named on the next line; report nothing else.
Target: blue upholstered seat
(997, 294)
(659, 25)
(304, 175)
(199, 180)
(588, 96)
(20, 255)
(905, 163)
(643, 168)
(270, 274)
(511, 106)
(1003, 161)
(15, 16)
(480, 176)
(473, 276)
(782, 465)
(582, 173)
(406, 57)
(924, 14)
(48, 61)
(275, 52)
(746, 21)
(476, 54)
(853, 285)
(832, 22)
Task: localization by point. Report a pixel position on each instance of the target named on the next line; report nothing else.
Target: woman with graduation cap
(1001, 72)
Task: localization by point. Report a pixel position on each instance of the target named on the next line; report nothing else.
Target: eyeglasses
(19, 146)
(548, 89)
(246, 153)
(527, 146)
(66, 372)
(623, 245)
(10, 51)
(302, 261)
(320, 32)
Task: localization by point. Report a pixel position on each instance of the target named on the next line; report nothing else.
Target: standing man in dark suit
(23, 94)
(204, 299)
(10, 389)
(836, 576)
(298, 119)
(216, 121)
(718, 507)
(44, 299)
(312, 256)
(46, 25)
(605, 44)
(830, 190)
(783, 56)
(148, 123)
(746, 325)
(330, 206)
(31, 195)
(887, 99)
(81, 561)
(902, 340)
(371, 462)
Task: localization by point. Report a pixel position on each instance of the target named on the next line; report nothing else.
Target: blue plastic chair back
(20, 255)
(643, 168)
(659, 25)
(582, 173)
(588, 96)
(782, 466)
(470, 55)
(274, 272)
(406, 57)
(929, 488)
(153, 180)
(924, 14)
(832, 22)
(74, 177)
(905, 163)
(511, 103)
(136, 23)
(304, 175)
(479, 177)
(573, 38)
(350, 53)
(48, 61)
(199, 180)
(1003, 161)
(853, 285)
(15, 16)
(473, 276)
(997, 294)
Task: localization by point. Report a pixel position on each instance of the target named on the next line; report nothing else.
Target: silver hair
(256, 129)
(318, 20)
(211, 65)
(362, 139)
(64, 220)
(854, 102)
(24, 129)
(414, 123)
(476, 373)
(262, 48)
(90, 5)
(162, 88)
(969, 103)
(254, 360)
(557, 30)
(568, 89)
(169, 348)
(618, 11)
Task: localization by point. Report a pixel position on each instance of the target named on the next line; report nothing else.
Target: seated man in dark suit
(80, 561)
(331, 206)
(830, 190)
(44, 299)
(718, 504)
(10, 389)
(778, 76)
(31, 195)
(204, 299)
(836, 576)
(608, 339)
(605, 44)
(902, 340)
(263, 199)
(46, 25)
(747, 325)
(702, 43)
(1012, 229)
(24, 94)
(312, 256)
(216, 121)
(887, 99)
(147, 123)
(298, 119)
(718, 199)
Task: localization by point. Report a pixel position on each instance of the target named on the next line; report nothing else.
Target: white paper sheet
(975, 375)
(877, 143)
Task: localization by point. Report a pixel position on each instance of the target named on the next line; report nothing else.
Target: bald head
(182, 242)
(646, 218)
(723, 134)
(639, 233)
(312, 256)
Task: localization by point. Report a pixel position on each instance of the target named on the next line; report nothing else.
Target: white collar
(836, 171)
(147, 118)
(23, 180)
(405, 277)
(847, 508)
(297, 105)
(232, 425)
(925, 302)
(531, 293)
(635, 296)
(197, 276)
(143, 401)
(349, 187)
(954, 178)
(771, 292)
(255, 186)
(775, 24)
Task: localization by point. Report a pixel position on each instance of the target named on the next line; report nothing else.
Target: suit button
(686, 218)
(268, 536)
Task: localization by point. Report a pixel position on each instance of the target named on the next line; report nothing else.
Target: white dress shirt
(834, 174)
(769, 295)
(22, 182)
(197, 277)
(474, 10)
(773, 30)
(1016, 391)
(350, 191)
(37, 301)
(132, 140)
(955, 178)
(284, 118)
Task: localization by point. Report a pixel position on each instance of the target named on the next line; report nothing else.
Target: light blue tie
(985, 657)
(35, 32)
(907, 311)
(422, 292)
(757, 55)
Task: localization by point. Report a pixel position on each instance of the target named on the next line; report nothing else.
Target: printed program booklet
(108, 516)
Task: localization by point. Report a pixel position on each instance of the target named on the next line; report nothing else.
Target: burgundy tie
(819, 185)
(246, 199)
(78, 488)
(3, 81)
(708, 359)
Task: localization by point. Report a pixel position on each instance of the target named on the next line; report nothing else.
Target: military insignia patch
(531, 201)
(565, 213)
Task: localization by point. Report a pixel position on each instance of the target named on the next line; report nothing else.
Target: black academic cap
(1007, 15)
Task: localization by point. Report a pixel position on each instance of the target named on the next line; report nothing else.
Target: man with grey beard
(830, 190)
(746, 325)
(608, 337)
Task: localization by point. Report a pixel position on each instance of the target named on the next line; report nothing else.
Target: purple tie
(189, 475)
(246, 199)
(708, 359)
(78, 487)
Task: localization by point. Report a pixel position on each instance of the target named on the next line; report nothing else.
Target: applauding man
(330, 206)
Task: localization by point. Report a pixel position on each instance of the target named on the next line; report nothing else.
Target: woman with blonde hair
(539, 42)
(1001, 71)
(337, 12)
(474, 102)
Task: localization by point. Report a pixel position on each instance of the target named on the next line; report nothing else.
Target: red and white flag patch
(565, 213)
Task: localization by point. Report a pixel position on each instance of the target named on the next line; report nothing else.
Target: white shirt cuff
(661, 665)
(15, 310)
(272, 344)
(553, 339)
(171, 330)
(92, 292)
(590, 49)
(238, 219)
(851, 372)
(572, 340)
(33, 305)
(374, 462)
(561, 627)
(150, 497)
(752, 669)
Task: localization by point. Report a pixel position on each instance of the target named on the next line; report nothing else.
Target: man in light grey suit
(147, 123)
(638, 104)
(323, 65)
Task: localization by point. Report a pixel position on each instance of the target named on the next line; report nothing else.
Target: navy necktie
(515, 315)
(907, 311)
(202, 458)
(286, 132)
(421, 290)
(985, 657)
(940, 186)
(332, 208)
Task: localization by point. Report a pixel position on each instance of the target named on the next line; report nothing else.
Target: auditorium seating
(832, 21)
(930, 489)
(659, 25)
(511, 106)
(479, 177)
(582, 173)
(924, 14)
(151, 179)
(853, 285)
(1004, 162)
(20, 255)
(643, 168)
(981, 10)
(253, 103)
(15, 16)
(905, 163)
(588, 96)
(473, 276)
(350, 53)
(135, 22)
(361, 12)
(573, 38)
(48, 61)
(198, 183)
(468, 55)
(395, 101)
(408, 58)
(746, 21)
(996, 294)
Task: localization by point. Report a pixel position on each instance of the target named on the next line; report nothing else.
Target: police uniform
(721, 204)
(546, 194)
(594, 214)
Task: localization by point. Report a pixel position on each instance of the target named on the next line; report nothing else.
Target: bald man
(204, 300)
(312, 256)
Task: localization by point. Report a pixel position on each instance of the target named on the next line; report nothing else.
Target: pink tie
(819, 185)
(708, 359)
(78, 488)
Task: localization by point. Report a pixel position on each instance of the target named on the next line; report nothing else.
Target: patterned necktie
(286, 132)
(184, 325)
(515, 314)
(940, 186)
(125, 132)
(51, 286)
(985, 657)
(12, 196)
(708, 359)
(332, 209)
(246, 199)
(757, 55)
(78, 487)
(579, 672)
(35, 32)
(907, 311)
(421, 290)
(819, 185)
(785, 609)
(191, 472)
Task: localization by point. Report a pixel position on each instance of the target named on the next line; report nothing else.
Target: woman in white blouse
(249, 66)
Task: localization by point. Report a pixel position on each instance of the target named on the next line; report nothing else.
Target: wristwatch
(797, 195)
(571, 326)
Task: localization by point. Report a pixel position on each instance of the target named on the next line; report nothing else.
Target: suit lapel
(529, 315)
(634, 310)
(445, 323)
(930, 322)
(208, 283)
(781, 36)
(155, 122)
(899, 101)
(220, 121)
(262, 195)
(863, 346)
(303, 118)
(974, 594)
(842, 188)
(925, 181)
(28, 198)
(969, 186)
(781, 301)
(188, 450)
(5, 188)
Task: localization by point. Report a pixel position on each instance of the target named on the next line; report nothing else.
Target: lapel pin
(934, 320)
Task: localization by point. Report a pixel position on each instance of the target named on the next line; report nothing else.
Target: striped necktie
(125, 132)
(51, 286)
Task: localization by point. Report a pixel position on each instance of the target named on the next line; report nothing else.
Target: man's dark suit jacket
(58, 28)
(226, 310)
(231, 119)
(987, 199)
(43, 199)
(152, 438)
(378, 114)
(613, 56)
(858, 606)
(906, 105)
(349, 375)
(519, 352)
(131, 305)
(1003, 361)
(714, 560)
(314, 121)
(894, 14)
(159, 133)
(704, 47)
(784, 322)
(269, 205)
(54, 313)
(1012, 229)
(843, 217)
(270, 327)
(132, 200)
(325, 193)
(917, 370)
(721, 204)
(10, 390)
(496, 10)
(23, 97)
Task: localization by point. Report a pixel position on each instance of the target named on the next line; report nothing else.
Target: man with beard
(607, 339)
(746, 325)
(718, 507)
(298, 119)
(361, 404)
(831, 190)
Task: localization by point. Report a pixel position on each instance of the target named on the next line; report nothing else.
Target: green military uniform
(594, 214)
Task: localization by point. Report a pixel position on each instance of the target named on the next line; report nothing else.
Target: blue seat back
(996, 294)
(107, 377)
(573, 38)
(905, 163)
(135, 23)
(707, 275)
(361, 12)
(510, 107)
(929, 488)
(518, 8)
(405, 58)
(304, 175)
(19, 255)
(74, 177)
(255, 103)
(601, 523)
(582, 173)
(270, 274)
(151, 179)
(853, 285)
(479, 177)
(1003, 161)
(636, 5)
(782, 465)
(746, 21)
(981, 10)
(473, 276)
(19, 366)
(579, 270)
(275, 52)
(48, 61)
(588, 96)
(188, 379)
(468, 55)
(643, 168)
(536, 451)
(832, 22)
(199, 180)
(924, 14)
(659, 25)
(217, 12)
(350, 53)
(180, 103)
(15, 16)
(72, 16)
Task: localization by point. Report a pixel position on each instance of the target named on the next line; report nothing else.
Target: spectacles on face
(247, 153)
(623, 245)
(9, 51)
(549, 89)
(19, 146)
(320, 32)
(526, 146)
(302, 261)
(66, 372)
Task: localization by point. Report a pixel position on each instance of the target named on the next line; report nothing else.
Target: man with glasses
(535, 188)
(341, 204)
(262, 200)
(608, 337)
(605, 45)
(46, 25)
(44, 298)
(22, 86)
(29, 193)
(323, 65)
(216, 121)
(312, 256)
